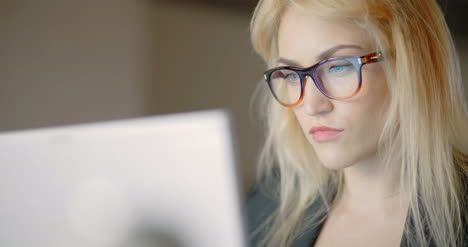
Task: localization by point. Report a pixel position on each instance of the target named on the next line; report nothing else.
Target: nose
(314, 102)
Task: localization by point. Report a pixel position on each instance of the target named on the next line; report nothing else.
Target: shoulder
(259, 206)
(262, 203)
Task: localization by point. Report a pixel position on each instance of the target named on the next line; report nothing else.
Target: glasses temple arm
(372, 58)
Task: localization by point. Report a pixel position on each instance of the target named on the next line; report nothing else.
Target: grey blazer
(259, 206)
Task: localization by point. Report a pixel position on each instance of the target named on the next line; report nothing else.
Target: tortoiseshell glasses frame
(356, 61)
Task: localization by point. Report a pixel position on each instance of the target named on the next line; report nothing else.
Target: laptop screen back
(156, 181)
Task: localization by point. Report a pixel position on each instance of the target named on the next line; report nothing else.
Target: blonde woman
(366, 126)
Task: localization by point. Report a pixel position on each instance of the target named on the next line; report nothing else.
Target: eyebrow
(322, 56)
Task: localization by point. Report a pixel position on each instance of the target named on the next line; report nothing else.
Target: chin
(342, 160)
(333, 163)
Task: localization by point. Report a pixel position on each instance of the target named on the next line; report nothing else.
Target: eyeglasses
(338, 78)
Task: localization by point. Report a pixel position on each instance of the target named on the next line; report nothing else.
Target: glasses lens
(338, 78)
(286, 86)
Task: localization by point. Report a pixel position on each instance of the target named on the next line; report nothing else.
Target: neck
(367, 187)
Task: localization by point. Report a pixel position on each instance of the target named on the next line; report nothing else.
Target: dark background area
(456, 15)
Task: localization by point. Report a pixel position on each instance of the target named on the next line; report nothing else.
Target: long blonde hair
(425, 130)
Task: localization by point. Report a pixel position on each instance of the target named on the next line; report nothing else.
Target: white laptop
(166, 181)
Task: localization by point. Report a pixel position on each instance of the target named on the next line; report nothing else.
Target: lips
(324, 133)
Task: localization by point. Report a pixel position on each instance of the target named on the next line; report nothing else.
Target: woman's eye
(339, 68)
(291, 76)
(276, 75)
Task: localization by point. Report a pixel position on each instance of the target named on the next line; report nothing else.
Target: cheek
(365, 120)
(359, 142)
(364, 130)
(361, 117)
(366, 112)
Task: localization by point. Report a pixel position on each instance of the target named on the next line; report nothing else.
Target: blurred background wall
(68, 61)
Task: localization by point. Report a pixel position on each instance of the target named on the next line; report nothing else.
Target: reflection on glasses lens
(337, 78)
(286, 86)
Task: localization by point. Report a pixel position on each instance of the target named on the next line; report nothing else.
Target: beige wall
(71, 61)
(78, 61)
(203, 59)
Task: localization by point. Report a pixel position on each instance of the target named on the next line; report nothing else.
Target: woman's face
(302, 38)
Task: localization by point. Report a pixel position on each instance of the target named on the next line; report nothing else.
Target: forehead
(303, 36)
